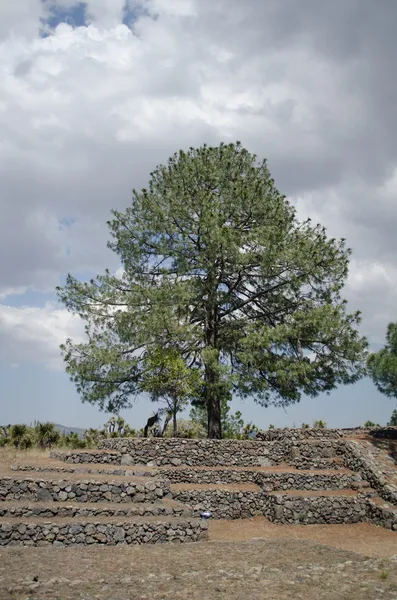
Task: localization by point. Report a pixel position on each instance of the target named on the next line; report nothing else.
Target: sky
(95, 94)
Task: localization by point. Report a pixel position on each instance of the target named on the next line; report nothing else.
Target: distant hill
(67, 430)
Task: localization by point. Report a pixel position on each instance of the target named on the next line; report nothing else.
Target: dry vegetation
(271, 570)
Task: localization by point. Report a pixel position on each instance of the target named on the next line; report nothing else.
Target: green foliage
(370, 424)
(46, 435)
(320, 424)
(21, 437)
(305, 426)
(188, 429)
(218, 268)
(382, 365)
(271, 426)
(73, 441)
(168, 379)
(393, 419)
(233, 426)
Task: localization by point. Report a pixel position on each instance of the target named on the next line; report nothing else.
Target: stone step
(23, 509)
(313, 463)
(315, 493)
(162, 452)
(100, 530)
(270, 477)
(309, 508)
(93, 489)
(229, 487)
(224, 501)
(242, 501)
(112, 457)
(383, 513)
(95, 469)
(73, 476)
(276, 477)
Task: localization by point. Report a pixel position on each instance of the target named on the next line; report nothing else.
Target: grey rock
(43, 495)
(119, 534)
(75, 529)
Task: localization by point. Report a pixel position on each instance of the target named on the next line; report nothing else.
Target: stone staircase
(45, 503)
(153, 491)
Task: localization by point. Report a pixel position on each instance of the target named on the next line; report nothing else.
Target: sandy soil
(261, 570)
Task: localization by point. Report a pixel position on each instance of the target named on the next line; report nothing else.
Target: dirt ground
(362, 538)
(262, 570)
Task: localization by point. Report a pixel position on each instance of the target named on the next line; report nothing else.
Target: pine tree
(382, 365)
(217, 267)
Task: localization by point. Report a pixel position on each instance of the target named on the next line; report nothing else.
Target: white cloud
(105, 13)
(20, 18)
(35, 334)
(87, 113)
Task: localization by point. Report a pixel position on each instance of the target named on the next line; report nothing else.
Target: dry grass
(362, 538)
(261, 570)
(9, 454)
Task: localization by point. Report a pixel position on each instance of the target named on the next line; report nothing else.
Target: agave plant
(46, 435)
(17, 433)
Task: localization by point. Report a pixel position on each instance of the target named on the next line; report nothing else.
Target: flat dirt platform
(262, 570)
(362, 538)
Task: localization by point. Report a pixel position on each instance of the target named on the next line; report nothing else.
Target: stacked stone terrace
(137, 490)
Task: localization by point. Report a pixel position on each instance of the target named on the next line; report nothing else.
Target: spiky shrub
(46, 435)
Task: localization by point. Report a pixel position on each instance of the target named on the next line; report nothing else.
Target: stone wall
(298, 434)
(270, 479)
(175, 451)
(315, 510)
(243, 453)
(223, 504)
(122, 532)
(384, 516)
(389, 433)
(82, 491)
(100, 509)
(136, 472)
(289, 509)
(75, 456)
(356, 460)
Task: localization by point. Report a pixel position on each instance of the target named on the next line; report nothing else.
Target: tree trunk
(212, 387)
(214, 418)
(166, 422)
(174, 425)
(213, 404)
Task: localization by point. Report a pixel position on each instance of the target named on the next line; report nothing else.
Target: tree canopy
(167, 378)
(218, 267)
(382, 365)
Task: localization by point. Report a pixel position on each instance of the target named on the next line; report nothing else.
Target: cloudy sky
(94, 94)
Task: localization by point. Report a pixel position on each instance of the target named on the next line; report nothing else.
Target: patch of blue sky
(75, 15)
(30, 298)
(130, 15)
